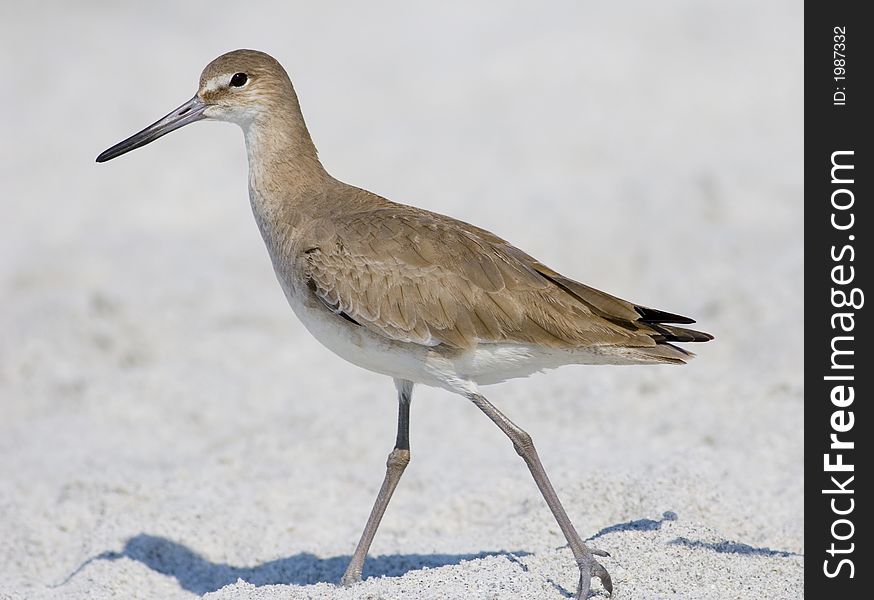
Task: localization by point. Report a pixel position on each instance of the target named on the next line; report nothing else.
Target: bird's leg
(525, 448)
(397, 462)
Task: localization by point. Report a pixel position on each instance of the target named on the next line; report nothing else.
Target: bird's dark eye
(239, 80)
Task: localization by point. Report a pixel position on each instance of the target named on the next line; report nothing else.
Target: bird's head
(240, 87)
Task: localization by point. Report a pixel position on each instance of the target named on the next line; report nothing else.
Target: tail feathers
(666, 352)
(657, 319)
(660, 353)
(670, 333)
(652, 315)
(636, 318)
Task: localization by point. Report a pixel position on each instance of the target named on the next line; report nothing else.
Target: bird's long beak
(189, 112)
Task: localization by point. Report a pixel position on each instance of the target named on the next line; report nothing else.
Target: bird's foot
(589, 567)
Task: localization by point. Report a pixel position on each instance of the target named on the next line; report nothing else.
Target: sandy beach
(168, 429)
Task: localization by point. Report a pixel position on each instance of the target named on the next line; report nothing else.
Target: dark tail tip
(651, 315)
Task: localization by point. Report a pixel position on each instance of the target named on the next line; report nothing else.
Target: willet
(415, 295)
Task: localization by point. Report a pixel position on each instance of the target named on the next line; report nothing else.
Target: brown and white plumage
(419, 277)
(412, 294)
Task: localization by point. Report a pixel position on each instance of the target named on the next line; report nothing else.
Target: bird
(412, 294)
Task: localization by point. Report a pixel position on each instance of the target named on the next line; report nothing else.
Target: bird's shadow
(723, 547)
(199, 575)
(637, 525)
(729, 547)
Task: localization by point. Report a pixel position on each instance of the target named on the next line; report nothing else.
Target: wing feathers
(419, 277)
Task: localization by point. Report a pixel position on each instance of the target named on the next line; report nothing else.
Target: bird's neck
(285, 173)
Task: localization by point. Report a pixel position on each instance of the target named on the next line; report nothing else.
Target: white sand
(162, 410)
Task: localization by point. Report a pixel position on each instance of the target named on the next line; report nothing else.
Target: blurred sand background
(163, 413)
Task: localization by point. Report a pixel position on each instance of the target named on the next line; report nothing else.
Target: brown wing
(420, 277)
